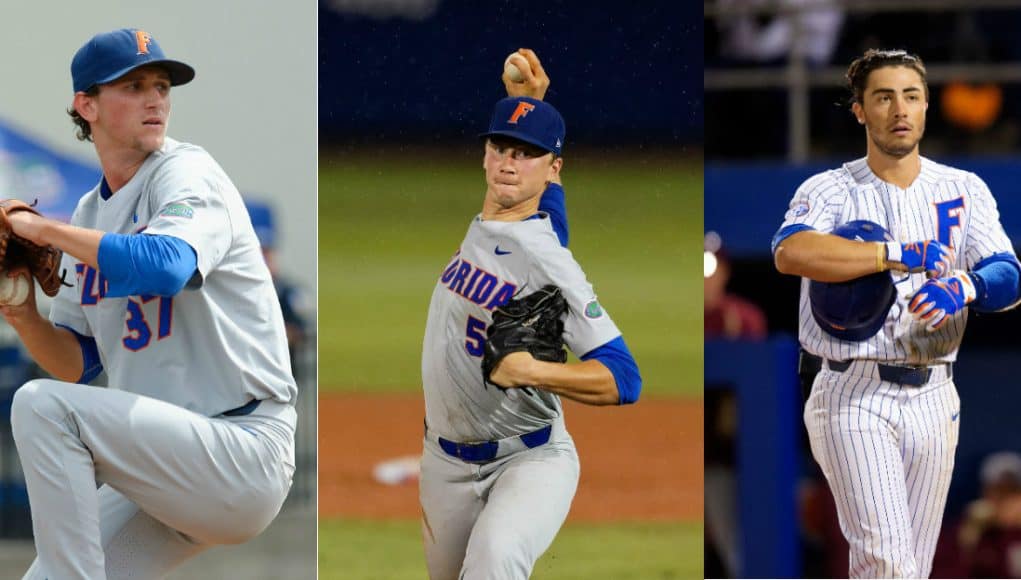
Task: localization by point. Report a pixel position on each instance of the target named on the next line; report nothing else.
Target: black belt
(486, 450)
(245, 409)
(912, 376)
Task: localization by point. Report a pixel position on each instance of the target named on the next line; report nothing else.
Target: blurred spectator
(292, 299)
(985, 542)
(803, 29)
(727, 315)
(990, 535)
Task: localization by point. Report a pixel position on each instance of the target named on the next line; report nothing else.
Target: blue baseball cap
(261, 215)
(529, 120)
(111, 55)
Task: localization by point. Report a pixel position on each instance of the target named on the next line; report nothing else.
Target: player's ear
(555, 168)
(858, 112)
(85, 105)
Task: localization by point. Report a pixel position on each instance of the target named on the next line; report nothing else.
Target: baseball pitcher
(883, 413)
(499, 468)
(166, 290)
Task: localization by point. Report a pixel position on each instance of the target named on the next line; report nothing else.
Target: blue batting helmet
(854, 310)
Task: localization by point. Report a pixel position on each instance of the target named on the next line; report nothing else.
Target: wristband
(894, 251)
(880, 257)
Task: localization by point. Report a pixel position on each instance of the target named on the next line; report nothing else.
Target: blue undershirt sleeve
(91, 365)
(144, 264)
(554, 202)
(616, 356)
(997, 281)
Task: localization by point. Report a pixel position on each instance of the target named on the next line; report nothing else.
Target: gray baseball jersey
(496, 261)
(887, 448)
(178, 475)
(490, 519)
(238, 352)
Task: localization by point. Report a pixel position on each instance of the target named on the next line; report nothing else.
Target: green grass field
(359, 550)
(389, 222)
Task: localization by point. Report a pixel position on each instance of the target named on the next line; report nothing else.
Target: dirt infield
(642, 462)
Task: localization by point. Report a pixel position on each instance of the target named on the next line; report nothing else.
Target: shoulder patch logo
(593, 309)
(178, 210)
(800, 209)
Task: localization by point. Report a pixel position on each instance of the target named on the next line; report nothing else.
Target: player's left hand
(940, 298)
(536, 80)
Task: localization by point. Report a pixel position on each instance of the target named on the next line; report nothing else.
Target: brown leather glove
(42, 261)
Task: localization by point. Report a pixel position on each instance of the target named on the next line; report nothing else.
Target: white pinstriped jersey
(496, 260)
(945, 204)
(208, 349)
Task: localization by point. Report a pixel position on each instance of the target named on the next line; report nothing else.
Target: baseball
(13, 291)
(513, 66)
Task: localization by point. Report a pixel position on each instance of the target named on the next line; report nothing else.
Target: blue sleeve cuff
(786, 232)
(142, 264)
(91, 365)
(616, 356)
(997, 281)
(554, 202)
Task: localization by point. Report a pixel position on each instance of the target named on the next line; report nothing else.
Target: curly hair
(858, 73)
(83, 130)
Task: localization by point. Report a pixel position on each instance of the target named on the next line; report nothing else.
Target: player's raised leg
(853, 439)
(206, 478)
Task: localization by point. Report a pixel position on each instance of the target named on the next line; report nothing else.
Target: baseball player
(883, 413)
(499, 469)
(192, 442)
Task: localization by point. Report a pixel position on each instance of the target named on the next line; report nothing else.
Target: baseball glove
(42, 261)
(531, 323)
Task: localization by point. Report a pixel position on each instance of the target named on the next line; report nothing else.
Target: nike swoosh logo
(500, 252)
(954, 416)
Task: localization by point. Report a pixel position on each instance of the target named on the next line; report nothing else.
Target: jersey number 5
(139, 332)
(475, 337)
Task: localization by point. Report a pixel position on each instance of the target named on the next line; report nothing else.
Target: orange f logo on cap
(142, 39)
(521, 111)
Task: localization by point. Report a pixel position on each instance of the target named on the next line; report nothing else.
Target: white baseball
(13, 291)
(513, 66)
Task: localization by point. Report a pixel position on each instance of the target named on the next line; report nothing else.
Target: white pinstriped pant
(887, 452)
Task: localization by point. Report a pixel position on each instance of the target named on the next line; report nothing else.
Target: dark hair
(858, 73)
(83, 131)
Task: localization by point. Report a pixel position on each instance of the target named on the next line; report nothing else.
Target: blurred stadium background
(252, 106)
(774, 94)
(404, 89)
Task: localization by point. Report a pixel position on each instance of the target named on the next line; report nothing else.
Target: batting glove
(940, 298)
(924, 256)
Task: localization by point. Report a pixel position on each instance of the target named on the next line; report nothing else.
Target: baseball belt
(906, 375)
(485, 451)
(245, 409)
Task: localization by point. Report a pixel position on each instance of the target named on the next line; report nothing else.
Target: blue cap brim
(180, 73)
(520, 137)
